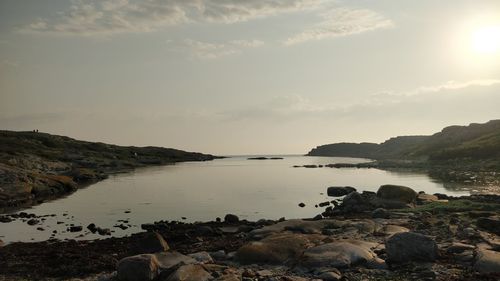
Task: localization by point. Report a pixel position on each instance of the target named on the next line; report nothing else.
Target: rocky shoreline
(394, 234)
(36, 167)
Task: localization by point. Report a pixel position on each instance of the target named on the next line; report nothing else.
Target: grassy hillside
(476, 142)
(35, 166)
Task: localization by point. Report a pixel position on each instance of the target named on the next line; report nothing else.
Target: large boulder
(276, 249)
(339, 254)
(143, 267)
(395, 196)
(338, 191)
(410, 246)
(487, 261)
(230, 218)
(169, 260)
(190, 272)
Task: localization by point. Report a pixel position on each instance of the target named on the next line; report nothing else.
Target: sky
(233, 77)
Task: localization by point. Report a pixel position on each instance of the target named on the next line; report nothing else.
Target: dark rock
(397, 193)
(380, 213)
(441, 196)
(77, 228)
(190, 272)
(217, 219)
(5, 219)
(143, 267)
(92, 228)
(230, 218)
(338, 191)
(33, 221)
(490, 224)
(324, 204)
(410, 246)
(40, 228)
(103, 231)
(302, 205)
(148, 226)
(151, 242)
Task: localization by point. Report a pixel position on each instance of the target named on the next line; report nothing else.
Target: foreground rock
(410, 246)
(339, 254)
(143, 267)
(487, 261)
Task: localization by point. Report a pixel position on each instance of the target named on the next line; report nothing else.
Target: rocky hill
(36, 166)
(454, 143)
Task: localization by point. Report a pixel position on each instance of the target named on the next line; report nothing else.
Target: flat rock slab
(297, 225)
(339, 254)
(276, 249)
(487, 261)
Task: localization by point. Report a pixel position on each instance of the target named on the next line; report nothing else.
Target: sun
(485, 40)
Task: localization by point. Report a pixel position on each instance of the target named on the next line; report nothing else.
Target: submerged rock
(338, 191)
(410, 246)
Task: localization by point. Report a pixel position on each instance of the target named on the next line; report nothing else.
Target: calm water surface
(202, 191)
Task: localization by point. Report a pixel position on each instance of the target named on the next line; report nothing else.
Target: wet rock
(190, 272)
(339, 254)
(230, 218)
(324, 204)
(143, 267)
(302, 205)
(151, 242)
(487, 261)
(33, 221)
(275, 249)
(338, 191)
(397, 193)
(103, 231)
(202, 257)
(92, 228)
(490, 224)
(410, 246)
(40, 229)
(5, 219)
(76, 228)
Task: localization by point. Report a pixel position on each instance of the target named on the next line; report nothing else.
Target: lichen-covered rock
(410, 246)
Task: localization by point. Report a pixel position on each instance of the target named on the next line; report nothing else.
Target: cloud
(206, 50)
(110, 17)
(341, 22)
(415, 101)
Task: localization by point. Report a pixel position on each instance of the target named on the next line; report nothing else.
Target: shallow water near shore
(202, 191)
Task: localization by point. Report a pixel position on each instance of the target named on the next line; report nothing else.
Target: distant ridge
(473, 142)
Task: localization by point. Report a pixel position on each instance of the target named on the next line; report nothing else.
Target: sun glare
(486, 40)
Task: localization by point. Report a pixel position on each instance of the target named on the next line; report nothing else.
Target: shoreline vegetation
(35, 166)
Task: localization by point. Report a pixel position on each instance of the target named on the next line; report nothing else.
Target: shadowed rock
(410, 246)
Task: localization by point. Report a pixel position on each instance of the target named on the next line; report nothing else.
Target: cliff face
(475, 142)
(36, 166)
